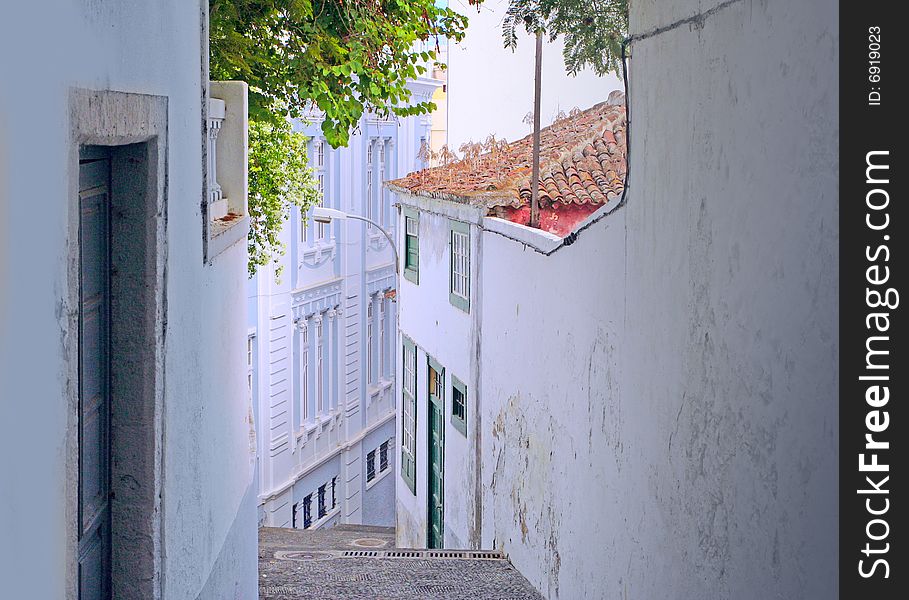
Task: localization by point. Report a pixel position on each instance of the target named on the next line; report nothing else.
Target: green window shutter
(409, 415)
(459, 405)
(412, 259)
(411, 245)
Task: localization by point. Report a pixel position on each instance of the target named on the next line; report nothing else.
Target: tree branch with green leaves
(279, 178)
(343, 58)
(592, 30)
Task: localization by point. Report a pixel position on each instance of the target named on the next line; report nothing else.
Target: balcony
(379, 401)
(226, 215)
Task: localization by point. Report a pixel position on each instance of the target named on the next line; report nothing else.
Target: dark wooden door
(436, 479)
(94, 376)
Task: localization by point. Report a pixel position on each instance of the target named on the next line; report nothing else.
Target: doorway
(116, 284)
(436, 435)
(119, 373)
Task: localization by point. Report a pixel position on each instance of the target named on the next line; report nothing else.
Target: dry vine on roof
(582, 163)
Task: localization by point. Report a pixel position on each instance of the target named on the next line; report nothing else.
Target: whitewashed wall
(553, 429)
(672, 375)
(208, 507)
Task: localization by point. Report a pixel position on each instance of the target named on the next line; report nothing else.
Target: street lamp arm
(322, 214)
(391, 241)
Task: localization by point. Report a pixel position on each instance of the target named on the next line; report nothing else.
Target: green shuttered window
(409, 416)
(459, 405)
(412, 245)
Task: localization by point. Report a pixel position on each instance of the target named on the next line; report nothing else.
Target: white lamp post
(321, 214)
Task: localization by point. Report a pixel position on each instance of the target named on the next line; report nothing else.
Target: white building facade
(322, 337)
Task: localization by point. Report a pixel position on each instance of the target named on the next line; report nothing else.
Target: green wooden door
(436, 462)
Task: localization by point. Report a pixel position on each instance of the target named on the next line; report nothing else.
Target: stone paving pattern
(328, 576)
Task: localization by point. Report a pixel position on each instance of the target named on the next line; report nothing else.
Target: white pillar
(322, 369)
(312, 385)
(332, 353)
(298, 411)
(388, 350)
(376, 351)
(340, 362)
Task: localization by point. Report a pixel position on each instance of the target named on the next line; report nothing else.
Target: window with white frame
(409, 416)
(326, 499)
(307, 511)
(383, 456)
(320, 345)
(460, 265)
(323, 508)
(304, 372)
(250, 346)
(382, 352)
(317, 160)
(370, 210)
(459, 405)
(381, 199)
(320, 154)
(320, 187)
(377, 460)
(370, 354)
(370, 465)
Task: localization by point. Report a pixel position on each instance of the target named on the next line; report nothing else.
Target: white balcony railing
(217, 203)
(228, 161)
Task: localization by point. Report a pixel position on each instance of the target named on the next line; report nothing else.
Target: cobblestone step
(360, 563)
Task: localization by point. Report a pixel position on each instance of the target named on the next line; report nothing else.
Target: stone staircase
(360, 562)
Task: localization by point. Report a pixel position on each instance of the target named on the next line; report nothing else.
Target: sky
(490, 88)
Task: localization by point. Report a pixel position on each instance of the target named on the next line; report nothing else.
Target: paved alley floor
(359, 562)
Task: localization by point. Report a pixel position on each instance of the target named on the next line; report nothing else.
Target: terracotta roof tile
(582, 162)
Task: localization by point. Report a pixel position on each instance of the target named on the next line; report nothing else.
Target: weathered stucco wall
(674, 435)
(733, 211)
(553, 427)
(209, 527)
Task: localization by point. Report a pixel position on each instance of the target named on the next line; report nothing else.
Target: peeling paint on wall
(658, 417)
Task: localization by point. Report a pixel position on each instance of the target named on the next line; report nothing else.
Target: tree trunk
(535, 179)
